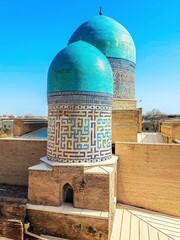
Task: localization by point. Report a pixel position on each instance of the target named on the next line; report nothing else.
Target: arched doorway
(68, 193)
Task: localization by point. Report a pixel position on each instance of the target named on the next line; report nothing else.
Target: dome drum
(79, 128)
(124, 78)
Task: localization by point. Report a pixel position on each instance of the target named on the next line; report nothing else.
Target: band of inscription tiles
(90, 94)
(79, 133)
(122, 64)
(79, 107)
(65, 160)
(124, 78)
(80, 98)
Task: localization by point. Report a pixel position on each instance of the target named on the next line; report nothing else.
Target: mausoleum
(79, 168)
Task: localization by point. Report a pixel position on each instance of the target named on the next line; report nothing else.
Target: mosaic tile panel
(123, 84)
(124, 78)
(79, 133)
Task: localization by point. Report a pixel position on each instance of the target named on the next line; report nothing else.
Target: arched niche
(68, 193)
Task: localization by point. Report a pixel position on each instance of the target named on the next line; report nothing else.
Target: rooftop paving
(133, 223)
(40, 134)
(67, 208)
(145, 137)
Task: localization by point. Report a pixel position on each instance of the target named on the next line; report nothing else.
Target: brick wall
(70, 226)
(15, 158)
(139, 120)
(124, 104)
(176, 131)
(12, 217)
(11, 229)
(170, 130)
(125, 125)
(148, 176)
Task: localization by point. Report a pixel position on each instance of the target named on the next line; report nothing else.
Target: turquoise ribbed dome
(80, 67)
(108, 36)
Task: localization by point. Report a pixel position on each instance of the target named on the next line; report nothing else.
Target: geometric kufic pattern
(75, 133)
(79, 133)
(103, 133)
(124, 79)
(51, 131)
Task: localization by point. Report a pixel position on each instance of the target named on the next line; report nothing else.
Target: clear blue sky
(33, 31)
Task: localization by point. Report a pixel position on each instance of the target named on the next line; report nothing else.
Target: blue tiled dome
(108, 36)
(80, 67)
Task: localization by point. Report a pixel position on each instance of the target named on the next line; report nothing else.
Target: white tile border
(70, 210)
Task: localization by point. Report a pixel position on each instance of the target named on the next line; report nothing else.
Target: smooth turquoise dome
(80, 67)
(108, 36)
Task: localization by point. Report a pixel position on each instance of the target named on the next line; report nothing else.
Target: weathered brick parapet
(148, 176)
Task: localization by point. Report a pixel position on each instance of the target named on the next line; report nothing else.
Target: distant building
(6, 124)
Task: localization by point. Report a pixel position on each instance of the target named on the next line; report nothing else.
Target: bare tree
(154, 116)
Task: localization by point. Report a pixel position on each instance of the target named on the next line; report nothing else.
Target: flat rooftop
(133, 223)
(145, 137)
(40, 134)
